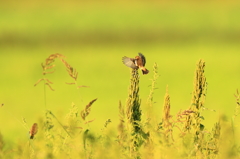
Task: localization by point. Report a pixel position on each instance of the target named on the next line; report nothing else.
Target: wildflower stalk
(153, 87)
(166, 124)
(133, 102)
(133, 115)
(193, 123)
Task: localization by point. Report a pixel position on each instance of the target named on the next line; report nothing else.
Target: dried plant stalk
(46, 69)
(71, 71)
(33, 131)
(48, 65)
(86, 111)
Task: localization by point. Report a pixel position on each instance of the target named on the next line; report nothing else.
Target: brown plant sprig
(47, 66)
(71, 71)
(33, 131)
(86, 111)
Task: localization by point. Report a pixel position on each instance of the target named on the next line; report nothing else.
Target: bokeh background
(94, 36)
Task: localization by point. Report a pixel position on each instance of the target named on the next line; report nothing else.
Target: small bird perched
(137, 62)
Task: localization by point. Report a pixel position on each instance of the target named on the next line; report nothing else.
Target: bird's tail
(145, 71)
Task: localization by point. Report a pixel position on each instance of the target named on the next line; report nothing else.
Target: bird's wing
(129, 62)
(143, 58)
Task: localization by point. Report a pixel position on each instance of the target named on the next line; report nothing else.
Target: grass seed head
(33, 131)
(86, 111)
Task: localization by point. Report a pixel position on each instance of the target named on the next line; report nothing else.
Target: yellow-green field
(94, 37)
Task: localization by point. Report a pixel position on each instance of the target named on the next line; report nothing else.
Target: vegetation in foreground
(182, 135)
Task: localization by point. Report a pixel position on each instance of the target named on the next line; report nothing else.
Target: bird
(33, 131)
(137, 62)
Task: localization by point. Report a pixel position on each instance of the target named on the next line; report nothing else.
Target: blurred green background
(94, 36)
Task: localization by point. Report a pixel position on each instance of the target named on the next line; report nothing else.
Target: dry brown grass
(33, 131)
(86, 111)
